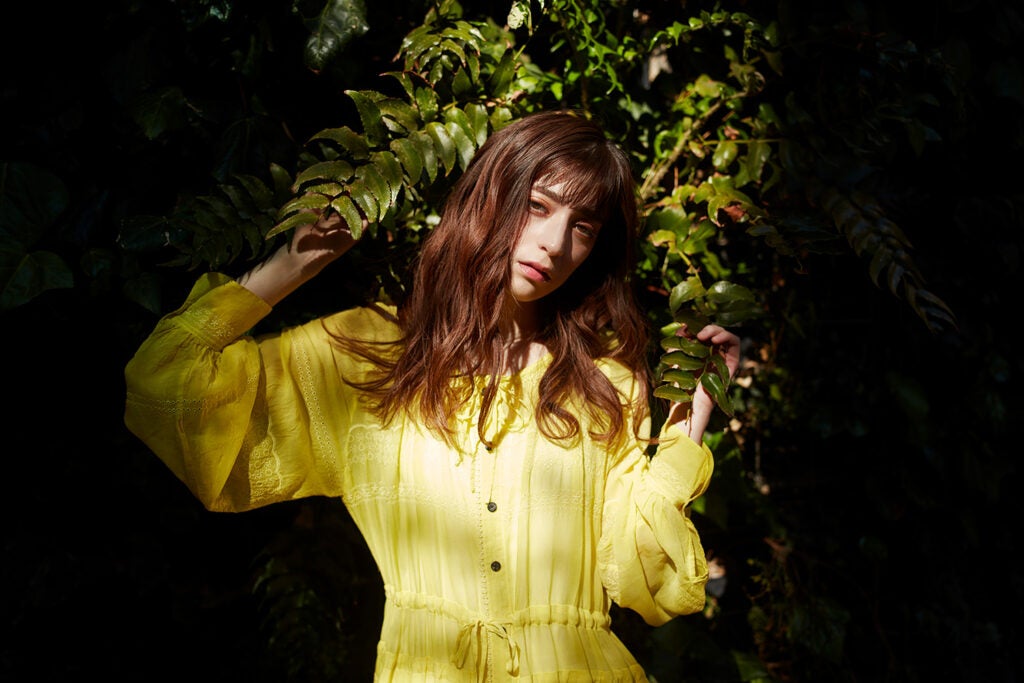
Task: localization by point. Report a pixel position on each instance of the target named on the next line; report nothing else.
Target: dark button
(495, 566)
(492, 506)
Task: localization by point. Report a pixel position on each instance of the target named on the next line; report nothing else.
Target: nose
(553, 234)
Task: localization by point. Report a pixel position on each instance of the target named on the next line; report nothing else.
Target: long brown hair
(451, 323)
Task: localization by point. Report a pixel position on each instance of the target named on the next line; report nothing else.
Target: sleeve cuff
(219, 310)
(681, 469)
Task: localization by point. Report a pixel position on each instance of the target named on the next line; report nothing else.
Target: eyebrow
(583, 211)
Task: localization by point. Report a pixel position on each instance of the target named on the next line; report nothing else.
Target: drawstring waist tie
(474, 628)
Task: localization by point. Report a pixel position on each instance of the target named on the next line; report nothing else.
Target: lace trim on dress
(511, 410)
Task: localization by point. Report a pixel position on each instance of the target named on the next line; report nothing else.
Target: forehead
(566, 194)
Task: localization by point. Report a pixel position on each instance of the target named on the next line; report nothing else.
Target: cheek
(580, 253)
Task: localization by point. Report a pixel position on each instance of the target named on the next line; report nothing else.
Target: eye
(587, 230)
(538, 207)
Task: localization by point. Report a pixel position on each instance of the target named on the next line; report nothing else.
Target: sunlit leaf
(443, 144)
(293, 221)
(463, 143)
(428, 150)
(305, 202)
(724, 292)
(333, 171)
(375, 182)
(691, 347)
(477, 116)
(713, 384)
(682, 361)
(687, 290)
(349, 213)
(364, 199)
(681, 379)
(671, 393)
(409, 155)
(347, 139)
(370, 116)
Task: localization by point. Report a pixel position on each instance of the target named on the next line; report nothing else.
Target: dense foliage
(826, 179)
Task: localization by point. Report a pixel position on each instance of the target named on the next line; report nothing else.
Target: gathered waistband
(474, 626)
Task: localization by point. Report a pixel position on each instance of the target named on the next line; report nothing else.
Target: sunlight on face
(557, 239)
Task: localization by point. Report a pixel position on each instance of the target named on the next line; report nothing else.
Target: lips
(534, 271)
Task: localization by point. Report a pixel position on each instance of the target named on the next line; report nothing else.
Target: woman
(487, 437)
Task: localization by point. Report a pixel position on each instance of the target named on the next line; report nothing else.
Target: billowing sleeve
(650, 554)
(243, 422)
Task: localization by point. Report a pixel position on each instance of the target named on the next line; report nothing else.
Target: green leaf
(457, 116)
(683, 380)
(370, 116)
(670, 329)
(687, 290)
(463, 143)
(500, 117)
(671, 393)
(405, 118)
(364, 199)
(375, 182)
(477, 116)
(261, 195)
(327, 189)
(727, 318)
(160, 110)
(241, 201)
(721, 367)
(713, 384)
(306, 202)
(723, 292)
(682, 361)
(282, 181)
(725, 153)
(30, 275)
(216, 211)
(391, 170)
(293, 221)
(426, 102)
(332, 30)
(443, 144)
(31, 199)
(501, 77)
(409, 155)
(691, 347)
(425, 144)
(347, 139)
(333, 171)
(349, 213)
(694, 319)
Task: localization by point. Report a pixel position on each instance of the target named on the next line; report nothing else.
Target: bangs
(593, 185)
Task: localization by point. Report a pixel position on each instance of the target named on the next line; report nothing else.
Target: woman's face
(556, 240)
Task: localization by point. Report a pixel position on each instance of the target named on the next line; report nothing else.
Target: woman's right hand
(312, 247)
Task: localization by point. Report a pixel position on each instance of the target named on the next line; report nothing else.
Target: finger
(331, 222)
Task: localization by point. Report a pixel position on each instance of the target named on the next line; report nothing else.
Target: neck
(523, 322)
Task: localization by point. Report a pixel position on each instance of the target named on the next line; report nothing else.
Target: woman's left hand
(724, 343)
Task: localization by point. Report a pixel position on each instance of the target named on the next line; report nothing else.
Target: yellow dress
(497, 565)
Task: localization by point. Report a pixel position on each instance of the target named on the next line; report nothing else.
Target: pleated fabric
(498, 564)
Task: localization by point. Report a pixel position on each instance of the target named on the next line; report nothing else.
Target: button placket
(494, 535)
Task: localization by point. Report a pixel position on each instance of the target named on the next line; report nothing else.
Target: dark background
(900, 452)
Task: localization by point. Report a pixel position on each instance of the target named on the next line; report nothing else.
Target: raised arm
(312, 247)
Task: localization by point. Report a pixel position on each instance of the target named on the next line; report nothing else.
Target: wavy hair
(451, 324)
